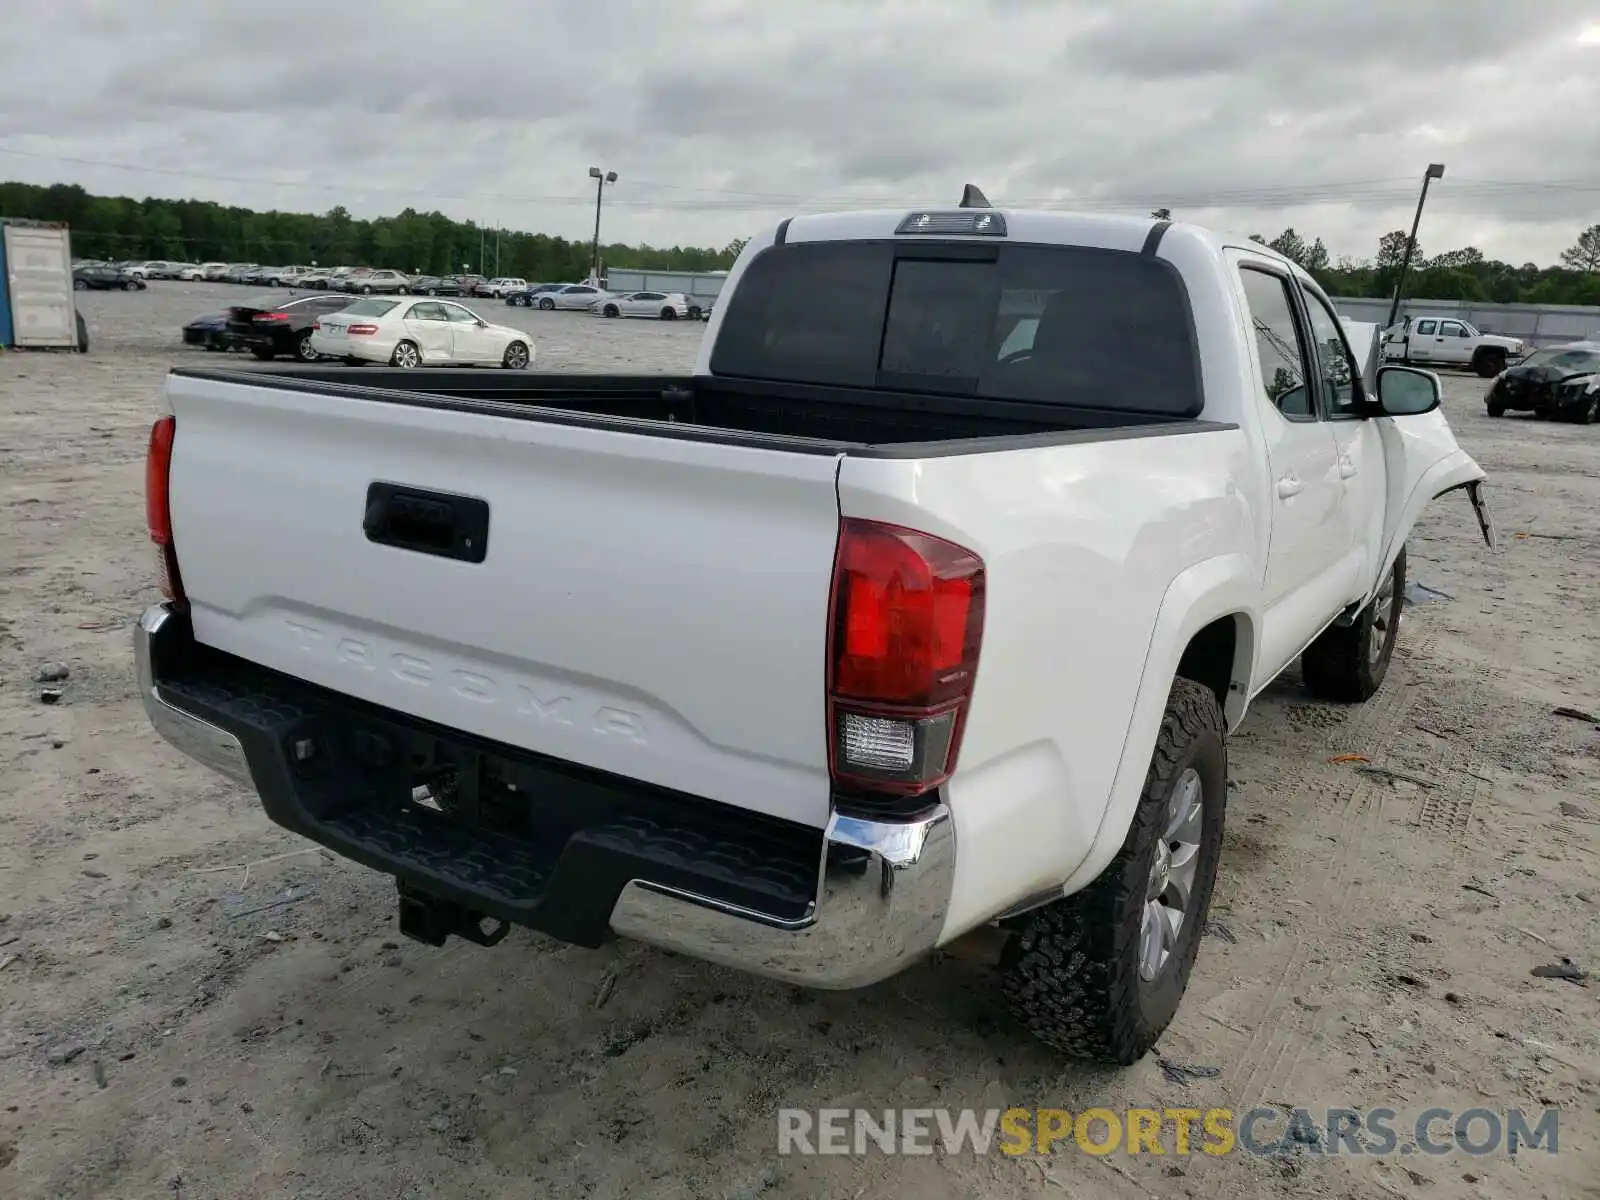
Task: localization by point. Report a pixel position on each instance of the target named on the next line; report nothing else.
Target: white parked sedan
(419, 333)
(574, 295)
(668, 306)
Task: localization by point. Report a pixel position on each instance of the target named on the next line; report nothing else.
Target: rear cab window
(1072, 326)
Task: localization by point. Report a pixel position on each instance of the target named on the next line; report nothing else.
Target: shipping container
(37, 308)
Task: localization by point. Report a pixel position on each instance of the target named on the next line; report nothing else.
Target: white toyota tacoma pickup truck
(925, 604)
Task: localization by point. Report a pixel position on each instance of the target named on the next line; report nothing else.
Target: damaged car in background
(1558, 383)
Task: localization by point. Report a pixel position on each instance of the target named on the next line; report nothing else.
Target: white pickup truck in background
(1450, 342)
(925, 604)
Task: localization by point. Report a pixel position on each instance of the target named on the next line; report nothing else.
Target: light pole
(1434, 171)
(601, 178)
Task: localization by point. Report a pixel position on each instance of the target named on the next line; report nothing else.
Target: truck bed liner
(794, 417)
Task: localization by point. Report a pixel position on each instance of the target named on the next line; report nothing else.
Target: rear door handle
(1289, 485)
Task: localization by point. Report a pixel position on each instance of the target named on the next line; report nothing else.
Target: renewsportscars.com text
(1167, 1131)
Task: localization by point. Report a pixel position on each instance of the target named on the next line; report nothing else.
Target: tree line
(120, 228)
(1463, 274)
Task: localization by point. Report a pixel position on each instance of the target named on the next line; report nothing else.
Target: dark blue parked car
(210, 331)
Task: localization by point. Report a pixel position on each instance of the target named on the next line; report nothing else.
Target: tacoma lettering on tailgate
(410, 668)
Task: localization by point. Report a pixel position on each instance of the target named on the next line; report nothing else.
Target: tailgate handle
(426, 522)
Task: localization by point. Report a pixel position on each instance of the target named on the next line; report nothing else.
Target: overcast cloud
(720, 115)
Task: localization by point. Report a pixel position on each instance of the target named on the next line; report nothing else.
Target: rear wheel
(302, 348)
(78, 285)
(669, 314)
(406, 355)
(1348, 662)
(1099, 974)
(611, 310)
(547, 304)
(1489, 363)
(516, 356)
(366, 289)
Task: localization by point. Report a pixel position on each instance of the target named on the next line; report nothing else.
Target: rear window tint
(1065, 325)
(371, 308)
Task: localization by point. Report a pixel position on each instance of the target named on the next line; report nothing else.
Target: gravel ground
(176, 1021)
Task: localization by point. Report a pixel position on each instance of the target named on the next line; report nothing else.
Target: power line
(1370, 191)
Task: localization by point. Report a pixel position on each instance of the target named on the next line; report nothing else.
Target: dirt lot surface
(193, 1005)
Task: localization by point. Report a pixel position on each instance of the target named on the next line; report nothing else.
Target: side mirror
(1407, 392)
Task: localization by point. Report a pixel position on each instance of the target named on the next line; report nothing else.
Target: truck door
(1424, 339)
(1357, 444)
(1453, 345)
(1305, 491)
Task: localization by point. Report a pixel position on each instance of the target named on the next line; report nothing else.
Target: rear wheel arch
(1218, 656)
(1206, 626)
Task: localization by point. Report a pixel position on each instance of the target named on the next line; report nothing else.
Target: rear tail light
(907, 624)
(158, 505)
(270, 317)
(355, 329)
(316, 325)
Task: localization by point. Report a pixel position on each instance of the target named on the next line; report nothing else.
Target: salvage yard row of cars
(369, 281)
(399, 331)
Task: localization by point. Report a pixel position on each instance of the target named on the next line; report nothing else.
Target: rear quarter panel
(1082, 544)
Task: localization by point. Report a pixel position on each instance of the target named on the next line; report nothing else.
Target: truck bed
(796, 417)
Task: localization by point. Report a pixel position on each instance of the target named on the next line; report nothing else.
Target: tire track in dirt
(1331, 797)
(1445, 809)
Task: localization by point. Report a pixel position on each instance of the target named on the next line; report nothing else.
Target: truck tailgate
(647, 605)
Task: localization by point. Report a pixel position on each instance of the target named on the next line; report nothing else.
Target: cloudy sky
(719, 115)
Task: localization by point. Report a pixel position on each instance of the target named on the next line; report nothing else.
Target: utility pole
(1434, 171)
(600, 180)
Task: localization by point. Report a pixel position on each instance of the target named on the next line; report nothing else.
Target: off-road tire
(1489, 363)
(1071, 974)
(1338, 665)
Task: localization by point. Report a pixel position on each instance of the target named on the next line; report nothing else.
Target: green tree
(1392, 250)
(1585, 255)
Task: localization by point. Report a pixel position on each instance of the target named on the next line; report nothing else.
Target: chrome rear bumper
(883, 887)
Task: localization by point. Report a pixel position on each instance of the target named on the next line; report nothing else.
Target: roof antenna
(971, 197)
